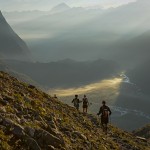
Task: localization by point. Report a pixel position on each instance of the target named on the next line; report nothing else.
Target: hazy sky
(12, 5)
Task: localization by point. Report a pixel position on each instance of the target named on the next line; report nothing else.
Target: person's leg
(86, 109)
(77, 107)
(105, 128)
(102, 122)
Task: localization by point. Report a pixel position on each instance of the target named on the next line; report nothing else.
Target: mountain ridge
(12, 46)
(60, 8)
(61, 73)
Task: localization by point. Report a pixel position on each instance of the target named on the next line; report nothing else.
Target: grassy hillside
(33, 120)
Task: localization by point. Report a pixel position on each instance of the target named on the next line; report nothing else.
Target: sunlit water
(109, 86)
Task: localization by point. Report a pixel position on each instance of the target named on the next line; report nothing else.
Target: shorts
(76, 106)
(85, 106)
(104, 120)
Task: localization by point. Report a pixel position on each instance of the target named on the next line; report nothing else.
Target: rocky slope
(32, 120)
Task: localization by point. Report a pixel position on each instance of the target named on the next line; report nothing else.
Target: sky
(20, 5)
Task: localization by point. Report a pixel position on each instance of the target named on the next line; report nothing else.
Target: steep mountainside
(31, 119)
(12, 46)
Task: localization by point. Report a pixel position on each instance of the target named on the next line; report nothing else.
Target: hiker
(105, 113)
(76, 102)
(85, 104)
(55, 96)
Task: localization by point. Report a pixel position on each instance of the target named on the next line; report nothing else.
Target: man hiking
(85, 104)
(105, 113)
(76, 102)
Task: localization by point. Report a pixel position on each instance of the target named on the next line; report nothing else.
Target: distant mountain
(60, 8)
(11, 45)
(73, 32)
(82, 34)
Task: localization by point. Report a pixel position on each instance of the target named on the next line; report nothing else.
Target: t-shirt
(76, 101)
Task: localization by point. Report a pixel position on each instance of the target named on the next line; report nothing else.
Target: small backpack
(105, 112)
(85, 101)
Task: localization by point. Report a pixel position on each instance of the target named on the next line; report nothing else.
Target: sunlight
(104, 85)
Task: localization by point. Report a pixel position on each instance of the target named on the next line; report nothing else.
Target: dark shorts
(85, 106)
(76, 106)
(104, 120)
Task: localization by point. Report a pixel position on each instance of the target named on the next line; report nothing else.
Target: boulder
(3, 110)
(16, 129)
(30, 131)
(45, 138)
(32, 144)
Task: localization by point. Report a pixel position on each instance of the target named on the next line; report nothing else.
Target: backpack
(105, 112)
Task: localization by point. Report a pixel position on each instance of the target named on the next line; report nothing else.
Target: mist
(87, 34)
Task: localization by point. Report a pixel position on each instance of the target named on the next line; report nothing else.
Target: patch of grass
(4, 141)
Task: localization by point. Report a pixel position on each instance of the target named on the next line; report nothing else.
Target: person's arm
(100, 111)
(72, 100)
(109, 111)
